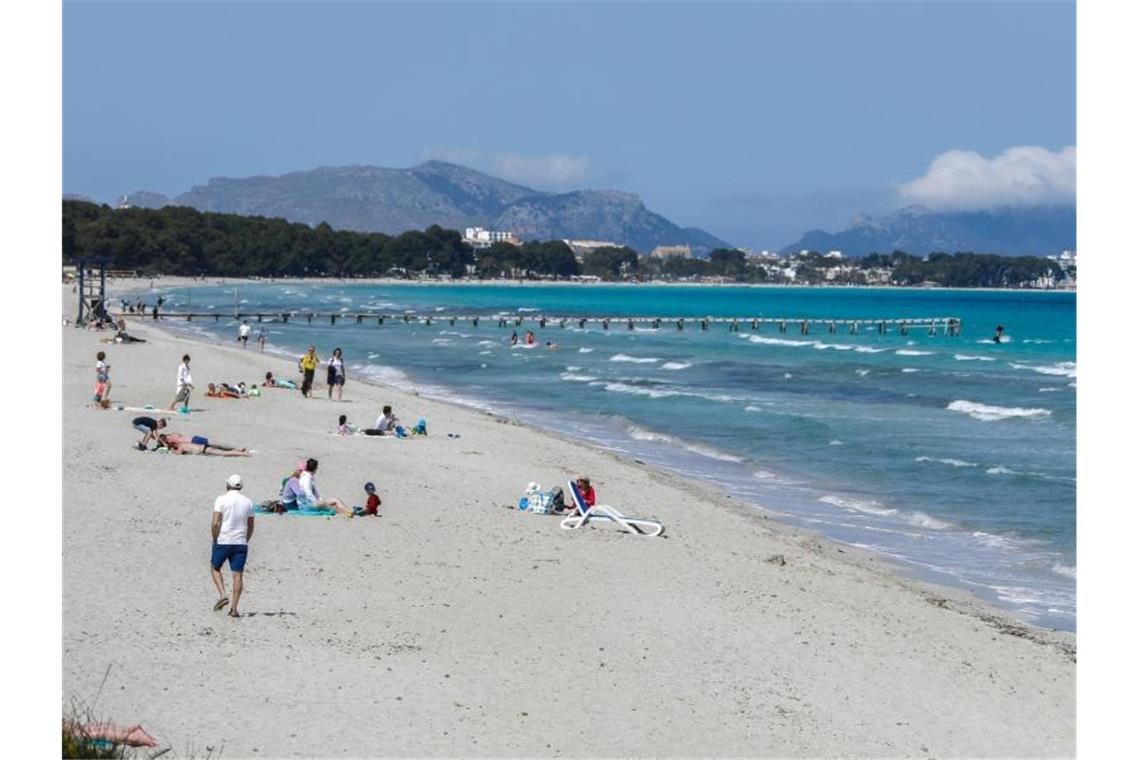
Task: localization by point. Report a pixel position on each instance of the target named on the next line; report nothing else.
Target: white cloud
(552, 172)
(962, 180)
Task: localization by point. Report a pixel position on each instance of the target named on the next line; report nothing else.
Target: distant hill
(917, 230)
(378, 199)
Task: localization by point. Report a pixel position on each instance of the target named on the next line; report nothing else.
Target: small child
(372, 505)
(342, 427)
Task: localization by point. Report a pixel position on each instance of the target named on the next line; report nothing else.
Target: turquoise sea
(955, 457)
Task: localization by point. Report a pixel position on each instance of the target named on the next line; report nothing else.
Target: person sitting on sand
(272, 382)
(291, 488)
(371, 504)
(177, 444)
(310, 498)
(342, 426)
(386, 422)
(149, 427)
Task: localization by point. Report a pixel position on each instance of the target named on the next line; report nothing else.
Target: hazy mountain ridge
(380, 199)
(1037, 230)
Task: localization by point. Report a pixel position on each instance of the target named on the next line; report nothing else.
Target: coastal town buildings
(582, 247)
(672, 251)
(477, 237)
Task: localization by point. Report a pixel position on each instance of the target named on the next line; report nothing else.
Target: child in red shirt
(372, 505)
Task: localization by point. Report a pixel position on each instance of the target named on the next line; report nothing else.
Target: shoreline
(971, 603)
(474, 627)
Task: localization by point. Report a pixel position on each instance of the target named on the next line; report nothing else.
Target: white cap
(234, 481)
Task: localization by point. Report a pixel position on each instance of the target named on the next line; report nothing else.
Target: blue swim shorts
(235, 553)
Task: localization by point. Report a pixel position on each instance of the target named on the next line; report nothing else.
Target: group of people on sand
(176, 443)
(232, 523)
(386, 424)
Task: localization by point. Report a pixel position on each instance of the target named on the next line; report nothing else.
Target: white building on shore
(477, 237)
(672, 251)
(582, 247)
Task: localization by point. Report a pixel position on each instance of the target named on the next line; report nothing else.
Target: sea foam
(988, 413)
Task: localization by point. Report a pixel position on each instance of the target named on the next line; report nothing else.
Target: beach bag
(530, 496)
(557, 500)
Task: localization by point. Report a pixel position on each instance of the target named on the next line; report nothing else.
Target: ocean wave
(778, 341)
(835, 442)
(1067, 571)
(641, 434)
(922, 520)
(637, 390)
(711, 453)
(585, 350)
(951, 462)
(971, 358)
(634, 359)
(442, 341)
(862, 372)
(867, 506)
(908, 370)
(988, 413)
(676, 365)
(1061, 369)
(575, 377)
(573, 368)
(912, 352)
(1049, 390)
(999, 470)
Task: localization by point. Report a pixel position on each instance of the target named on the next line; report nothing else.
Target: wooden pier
(951, 326)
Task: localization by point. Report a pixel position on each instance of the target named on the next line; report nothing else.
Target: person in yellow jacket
(308, 365)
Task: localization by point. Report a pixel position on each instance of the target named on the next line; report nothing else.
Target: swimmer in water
(999, 334)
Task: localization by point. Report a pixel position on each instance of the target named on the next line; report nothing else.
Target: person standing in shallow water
(308, 366)
(336, 374)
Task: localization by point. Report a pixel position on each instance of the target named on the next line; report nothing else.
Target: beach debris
(777, 559)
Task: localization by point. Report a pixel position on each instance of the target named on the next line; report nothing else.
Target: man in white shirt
(243, 333)
(185, 383)
(232, 528)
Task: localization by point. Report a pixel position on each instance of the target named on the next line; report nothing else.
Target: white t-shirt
(184, 376)
(243, 331)
(235, 510)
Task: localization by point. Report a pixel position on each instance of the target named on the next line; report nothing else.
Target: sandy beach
(454, 624)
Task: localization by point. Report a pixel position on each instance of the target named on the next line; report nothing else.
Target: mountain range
(1031, 231)
(378, 199)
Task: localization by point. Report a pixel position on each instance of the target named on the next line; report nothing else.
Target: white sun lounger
(584, 514)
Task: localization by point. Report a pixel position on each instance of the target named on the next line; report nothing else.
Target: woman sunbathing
(272, 382)
(177, 444)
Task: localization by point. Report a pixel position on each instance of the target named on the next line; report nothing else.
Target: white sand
(454, 625)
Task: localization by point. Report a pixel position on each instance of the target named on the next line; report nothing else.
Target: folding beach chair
(584, 514)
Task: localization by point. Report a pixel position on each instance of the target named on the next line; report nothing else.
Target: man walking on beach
(185, 383)
(243, 334)
(232, 528)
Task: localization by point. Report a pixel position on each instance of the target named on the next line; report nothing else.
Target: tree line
(176, 240)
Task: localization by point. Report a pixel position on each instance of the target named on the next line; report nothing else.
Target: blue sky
(753, 121)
